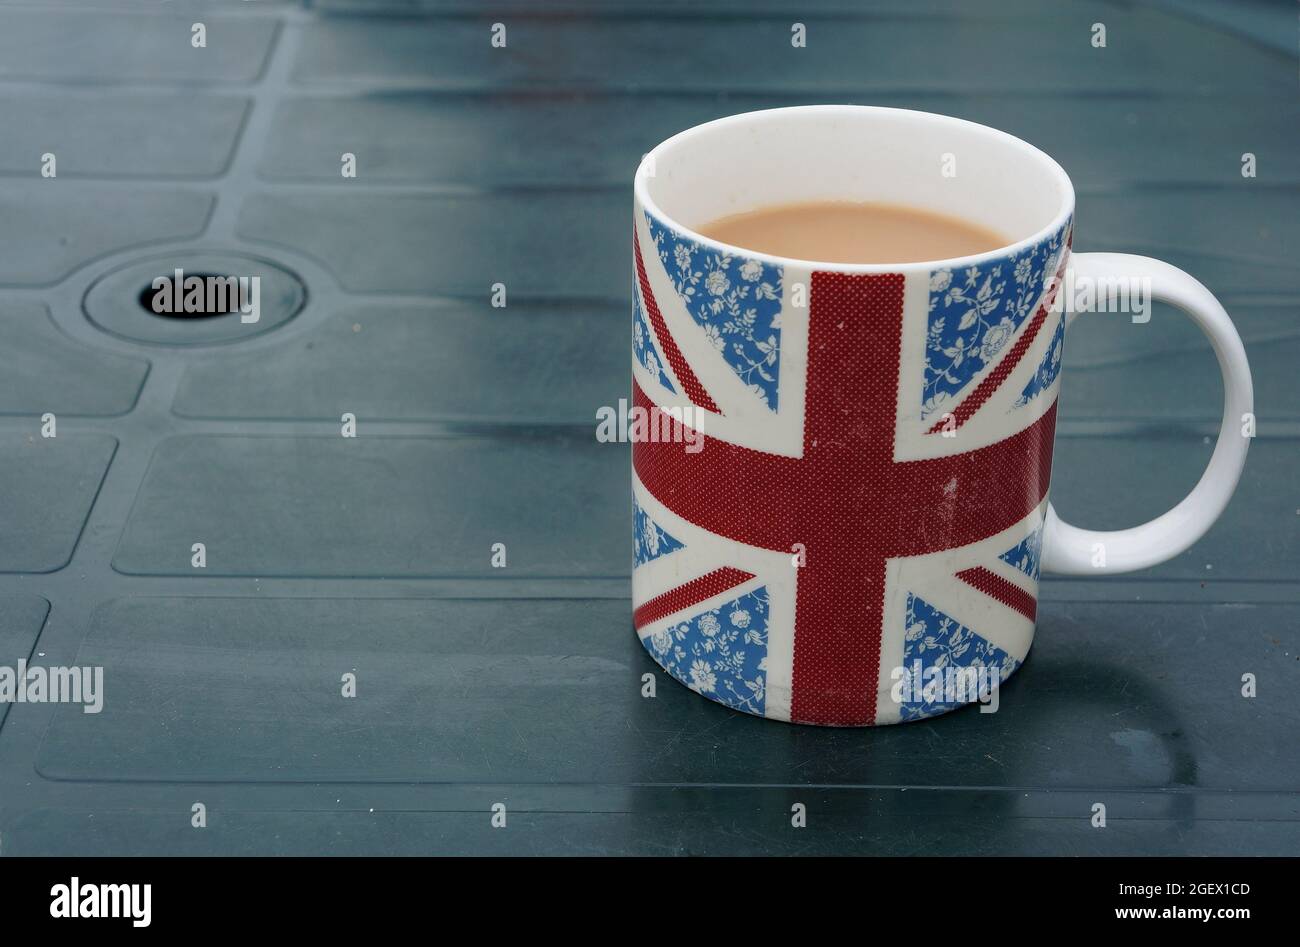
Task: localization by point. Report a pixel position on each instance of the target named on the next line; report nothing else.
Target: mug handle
(1069, 550)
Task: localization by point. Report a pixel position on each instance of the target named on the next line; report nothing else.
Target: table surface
(328, 556)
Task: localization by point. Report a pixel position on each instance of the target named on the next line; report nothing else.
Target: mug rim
(1063, 213)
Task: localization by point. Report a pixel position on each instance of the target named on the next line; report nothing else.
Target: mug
(840, 472)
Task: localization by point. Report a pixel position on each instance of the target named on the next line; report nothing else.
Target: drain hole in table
(222, 296)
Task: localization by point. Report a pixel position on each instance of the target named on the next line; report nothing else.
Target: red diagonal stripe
(998, 588)
(990, 384)
(984, 390)
(681, 368)
(692, 593)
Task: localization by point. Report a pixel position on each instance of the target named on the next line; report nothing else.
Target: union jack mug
(840, 472)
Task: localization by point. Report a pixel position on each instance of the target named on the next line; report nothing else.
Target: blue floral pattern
(643, 344)
(1048, 368)
(651, 539)
(934, 640)
(735, 300)
(1027, 555)
(721, 653)
(974, 313)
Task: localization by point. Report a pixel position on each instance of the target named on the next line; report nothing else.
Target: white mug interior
(861, 154)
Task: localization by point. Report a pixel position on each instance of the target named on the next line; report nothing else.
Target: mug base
(751, 697)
